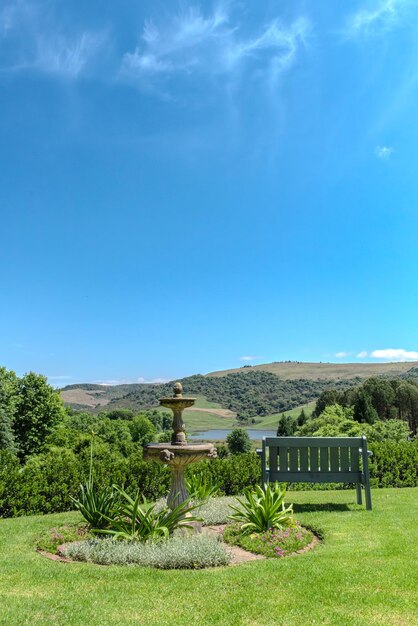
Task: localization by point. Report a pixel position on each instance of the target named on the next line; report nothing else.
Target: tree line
(377, 406)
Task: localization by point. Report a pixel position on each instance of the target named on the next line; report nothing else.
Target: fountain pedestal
(178, 454)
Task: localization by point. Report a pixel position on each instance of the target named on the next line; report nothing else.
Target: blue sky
(190, 187)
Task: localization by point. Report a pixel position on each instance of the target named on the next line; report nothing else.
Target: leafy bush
(9, 480)
(133, 520)
(238, 441)
(263, 509)
(394, 464)
(271, 543)
(188, 552)
(233, 474)
(47, 482)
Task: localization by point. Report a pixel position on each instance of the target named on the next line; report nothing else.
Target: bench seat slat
(316, 477)
(320, 442)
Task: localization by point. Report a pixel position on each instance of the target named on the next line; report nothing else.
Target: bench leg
(359, 500)
(368, 496)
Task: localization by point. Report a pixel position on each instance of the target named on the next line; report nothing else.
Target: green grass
(270, 422)
(362, 574)
(205, 420)
(198, 421)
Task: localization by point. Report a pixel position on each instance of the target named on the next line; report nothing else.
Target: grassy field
(209, 415)
(362, 574)
(325, 371)
(215, 417)
(270, 422)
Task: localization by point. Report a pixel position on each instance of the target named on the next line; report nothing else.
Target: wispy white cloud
(342, 355)
(249, 358)
(398, 354)
(378, 17)
(33, 38)
(362, 354)
(193, 44)
(131, 381)
(383, 152)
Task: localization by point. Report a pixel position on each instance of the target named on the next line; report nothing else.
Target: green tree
(142, 430)
(382, 396)
(302, 419)
(238, 441)
(286, 426)
(407, 403)
(39, 409)
(364, 411)
(327, 398)
(8, 399)
(119, 414)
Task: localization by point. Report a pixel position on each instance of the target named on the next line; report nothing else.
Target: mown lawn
(364, 572)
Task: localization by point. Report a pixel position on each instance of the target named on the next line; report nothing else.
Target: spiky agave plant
(199, 488)
(262, 509)
(96, 505)
(137, 520)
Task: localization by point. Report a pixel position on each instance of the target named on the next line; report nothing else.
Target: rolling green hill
(294, 370)
(255, 395)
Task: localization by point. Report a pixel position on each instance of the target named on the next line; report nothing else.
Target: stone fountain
(178, 453)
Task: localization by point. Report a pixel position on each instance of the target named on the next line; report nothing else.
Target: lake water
(217, 434)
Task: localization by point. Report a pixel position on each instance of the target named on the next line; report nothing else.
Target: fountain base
(177, 456)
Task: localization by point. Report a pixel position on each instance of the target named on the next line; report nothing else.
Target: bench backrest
(310, 459)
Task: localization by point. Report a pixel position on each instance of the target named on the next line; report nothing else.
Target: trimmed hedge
(46, 482)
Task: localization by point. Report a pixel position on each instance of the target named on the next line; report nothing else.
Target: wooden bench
(317, 460)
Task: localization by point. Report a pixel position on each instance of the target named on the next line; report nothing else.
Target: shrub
(9, 481)
(263, 509)
(188, 552)
(235, 473)
(238, 441)
(394, 464)
(47, 482)
(151, 479)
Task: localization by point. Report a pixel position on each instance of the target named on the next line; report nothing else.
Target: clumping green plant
(137, 519)
(199, 488)
(271, 543)
(97, 506)
(187, 552)
(263, 509)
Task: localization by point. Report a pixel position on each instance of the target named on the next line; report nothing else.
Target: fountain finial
(177, 390)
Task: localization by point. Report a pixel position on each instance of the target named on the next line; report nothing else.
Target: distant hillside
(249, 392)
(293, 370)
